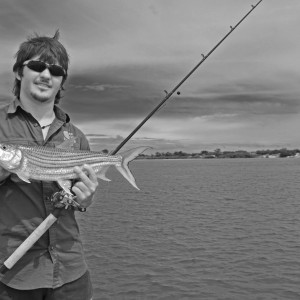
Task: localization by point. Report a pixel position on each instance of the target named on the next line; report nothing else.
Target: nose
(45, 73)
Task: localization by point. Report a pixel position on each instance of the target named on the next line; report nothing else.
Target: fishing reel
(63, 199)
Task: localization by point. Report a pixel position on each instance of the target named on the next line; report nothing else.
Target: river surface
(197, 229)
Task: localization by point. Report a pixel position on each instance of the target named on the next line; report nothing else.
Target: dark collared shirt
(57, 257)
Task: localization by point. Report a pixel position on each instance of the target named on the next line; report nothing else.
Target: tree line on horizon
(217, 153)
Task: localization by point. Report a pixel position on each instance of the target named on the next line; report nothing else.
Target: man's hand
(3, 174)
(86, 187)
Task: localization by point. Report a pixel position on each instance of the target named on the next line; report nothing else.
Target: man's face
(39, 86)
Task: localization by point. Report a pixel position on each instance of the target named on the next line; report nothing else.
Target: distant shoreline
(218, 154)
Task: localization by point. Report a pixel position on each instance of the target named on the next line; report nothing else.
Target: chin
(41, 98)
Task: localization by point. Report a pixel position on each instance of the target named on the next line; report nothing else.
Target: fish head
(10, 156)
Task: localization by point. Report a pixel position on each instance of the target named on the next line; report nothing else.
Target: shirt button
(51, 248)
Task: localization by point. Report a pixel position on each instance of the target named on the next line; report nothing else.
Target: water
(198, 229)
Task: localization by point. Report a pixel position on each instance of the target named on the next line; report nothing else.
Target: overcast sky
(124, 54)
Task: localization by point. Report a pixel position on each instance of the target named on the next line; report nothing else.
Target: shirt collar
(13, 105)
(59, 113)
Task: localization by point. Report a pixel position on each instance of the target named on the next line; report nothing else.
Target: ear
(17, 75)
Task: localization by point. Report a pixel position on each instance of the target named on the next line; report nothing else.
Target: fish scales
(65, 166)
(54, 153)
(57, 169)
(64, 163)
(65, 158)
(61, 160)
(51, 163)
(57, 164)
(58, 173)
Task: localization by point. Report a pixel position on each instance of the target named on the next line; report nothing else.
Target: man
(54, 268)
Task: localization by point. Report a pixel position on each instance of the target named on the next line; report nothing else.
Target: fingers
(87, 175)
(85, 188)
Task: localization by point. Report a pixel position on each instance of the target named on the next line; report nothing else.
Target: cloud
(134, 91)
(98, 87)
(124, 54)
(204, 132)
(111, 142)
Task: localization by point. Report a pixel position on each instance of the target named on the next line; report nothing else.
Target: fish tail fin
(127, 157)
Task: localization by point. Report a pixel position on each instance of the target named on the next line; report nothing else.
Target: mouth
(43, 85)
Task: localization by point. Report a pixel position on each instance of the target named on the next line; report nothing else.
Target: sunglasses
(40, 66)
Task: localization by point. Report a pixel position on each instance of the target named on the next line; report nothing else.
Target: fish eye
(3, 147)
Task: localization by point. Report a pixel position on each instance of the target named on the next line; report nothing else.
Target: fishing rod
(168, 95)
(52, 217)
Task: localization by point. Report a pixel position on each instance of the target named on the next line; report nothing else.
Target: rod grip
(28, 243)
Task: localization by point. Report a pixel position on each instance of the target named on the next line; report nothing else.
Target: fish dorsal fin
(67, 144)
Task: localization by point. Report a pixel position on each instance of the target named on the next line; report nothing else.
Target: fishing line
(168, 95)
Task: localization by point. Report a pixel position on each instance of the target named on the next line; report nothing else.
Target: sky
(124, 55)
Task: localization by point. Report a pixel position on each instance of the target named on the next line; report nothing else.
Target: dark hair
(49, 49)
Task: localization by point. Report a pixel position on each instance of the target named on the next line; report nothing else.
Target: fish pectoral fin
(23, 177)
(102, 172)
(65, 185)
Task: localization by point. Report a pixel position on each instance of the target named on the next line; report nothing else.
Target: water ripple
(198, 229)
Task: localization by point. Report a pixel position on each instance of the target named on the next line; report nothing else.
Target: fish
(57, 164)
